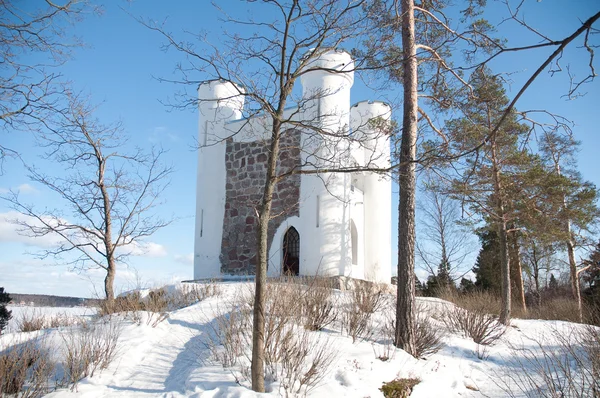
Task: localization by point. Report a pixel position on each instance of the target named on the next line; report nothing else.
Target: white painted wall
(377, 190)
(219, 102)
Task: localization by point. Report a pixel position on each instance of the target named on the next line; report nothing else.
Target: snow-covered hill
(174, 358)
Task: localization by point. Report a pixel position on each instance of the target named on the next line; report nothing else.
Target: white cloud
(187, 259)
(9, 231)
(144, 249)
(27, 189)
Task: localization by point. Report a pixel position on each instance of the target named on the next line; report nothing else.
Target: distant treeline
(43, 300)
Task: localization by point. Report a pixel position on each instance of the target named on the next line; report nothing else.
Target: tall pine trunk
(405, 306)
(502, 236)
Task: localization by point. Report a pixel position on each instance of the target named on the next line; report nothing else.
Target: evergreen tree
(487, 264)
(5, 314)
(591, 276)
(466, 286)
(494, 180)
(441, 281)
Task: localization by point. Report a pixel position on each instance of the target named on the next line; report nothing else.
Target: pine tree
(5, 314)
(487, 264)
(466, 286)
(591, 276)
(493, 181)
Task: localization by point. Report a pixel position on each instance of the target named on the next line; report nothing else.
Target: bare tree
(106, 196)
(443, 240)
(33, 43)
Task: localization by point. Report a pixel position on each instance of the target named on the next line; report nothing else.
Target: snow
(172, 359)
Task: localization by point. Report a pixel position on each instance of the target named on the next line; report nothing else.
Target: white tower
(367, 118)
(219, 102)
(324, 208)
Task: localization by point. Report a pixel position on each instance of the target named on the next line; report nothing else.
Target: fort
(327, 223)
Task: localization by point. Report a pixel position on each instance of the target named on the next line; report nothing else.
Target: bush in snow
(25, 369)
(478, 325)
(88, 348)
(364, 301)
(295, 357)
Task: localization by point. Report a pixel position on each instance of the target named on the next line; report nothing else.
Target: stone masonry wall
(246, 165)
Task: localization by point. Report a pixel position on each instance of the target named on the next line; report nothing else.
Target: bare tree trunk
(517, 272)
(258, 331)
(502, 235)
(109, 281)
(405, 306)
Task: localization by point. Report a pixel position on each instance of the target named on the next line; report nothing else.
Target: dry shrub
(158, 302)
(428, 338)
(193, 293)
(566, 364)
(364, 301)
(89, 348)
(294, 356)
(299, 359)
(62, 320)
(476, 324)
(229, 334)
(25, 369)
(319, 307)
(31, 321)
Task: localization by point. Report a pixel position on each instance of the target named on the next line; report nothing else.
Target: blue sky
(118, 69)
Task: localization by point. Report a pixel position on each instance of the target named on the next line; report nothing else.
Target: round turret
(329, 70)
(371, 139)
(362, 112)
(221, 94)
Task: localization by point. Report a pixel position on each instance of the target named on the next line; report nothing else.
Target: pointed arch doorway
(291, 252)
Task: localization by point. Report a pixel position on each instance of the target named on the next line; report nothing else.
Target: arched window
(354, 243)
(291, 252)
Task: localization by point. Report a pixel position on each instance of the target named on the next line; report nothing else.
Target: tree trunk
(502, 235)
(257, 369)
(405, 306)
(517, 273)
(536, 274)
(109, 280)
(573, 274)
(571, 254)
